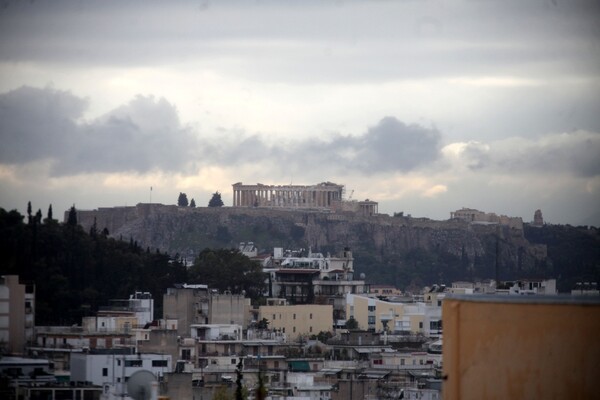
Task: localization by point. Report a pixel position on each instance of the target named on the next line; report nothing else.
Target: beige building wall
(197, 306)
(178, 305)
(17, 316)
(296, 320)
(521, 348)
(410, 317)
(229, 309)
(358, 309)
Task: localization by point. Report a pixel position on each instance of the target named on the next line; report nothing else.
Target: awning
(374, 374)
(330, 371)
(368, 350)
(299, 366)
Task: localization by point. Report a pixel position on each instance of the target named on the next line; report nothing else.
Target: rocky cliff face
(410, 247)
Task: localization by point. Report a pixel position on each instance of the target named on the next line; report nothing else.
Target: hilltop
(399, 250)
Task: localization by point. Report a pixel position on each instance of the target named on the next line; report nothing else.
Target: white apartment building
(378, 315)
(113, 369)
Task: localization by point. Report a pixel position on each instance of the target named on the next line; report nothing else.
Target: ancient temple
(325, 195)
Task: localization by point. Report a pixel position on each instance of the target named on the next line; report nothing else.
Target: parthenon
(324, 195)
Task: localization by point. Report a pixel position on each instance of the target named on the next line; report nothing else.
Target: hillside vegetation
(407, 252)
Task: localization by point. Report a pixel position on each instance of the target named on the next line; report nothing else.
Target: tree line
(215, 200)
(75, 272)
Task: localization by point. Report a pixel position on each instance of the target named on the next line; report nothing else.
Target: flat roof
(297, 271)
(566, 299)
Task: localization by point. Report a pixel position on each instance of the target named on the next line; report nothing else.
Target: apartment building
(298, 320)
(17, 314)
(197, 304)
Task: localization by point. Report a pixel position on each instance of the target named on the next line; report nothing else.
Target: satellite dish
(139, 385)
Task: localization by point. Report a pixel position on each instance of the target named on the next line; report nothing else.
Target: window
(402, 361)
(435, 325)
(119, 362)
(104, 371)
(233, 361)
(421, 361)
(310, 329)
(371, 308)
(371, 320)
(186, 354)
(421, 325)
(310, 316)
(159, 363)
(294, 316)
(276, 364)
(273, 317)
(294, 329)
(133, 363)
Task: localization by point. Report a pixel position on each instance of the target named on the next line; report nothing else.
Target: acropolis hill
(453, 248)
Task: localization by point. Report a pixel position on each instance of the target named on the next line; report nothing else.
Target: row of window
(310, 329)
(403, 362)
(139, 363)
(310, 316)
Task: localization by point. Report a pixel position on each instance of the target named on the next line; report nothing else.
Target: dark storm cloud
(575, 153)
(42, 124)
(388, 146)
(391, 145)
(146, 134)
(476, 155)
(35, 124)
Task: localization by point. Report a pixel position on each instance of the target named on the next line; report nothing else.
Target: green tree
(72, 220)
(215, 200)
(49, 218)
(182, 201)
(29, 217)
(238, 381)
(323, 336)
(38, 217)
(221, 393)
(351, 323)
(228, 269)
(75, 273)
(193, 203)
(263, 324)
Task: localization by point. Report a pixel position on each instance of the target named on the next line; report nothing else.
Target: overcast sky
(423, 106)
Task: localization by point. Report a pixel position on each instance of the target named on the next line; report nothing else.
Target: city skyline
(424, 107)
